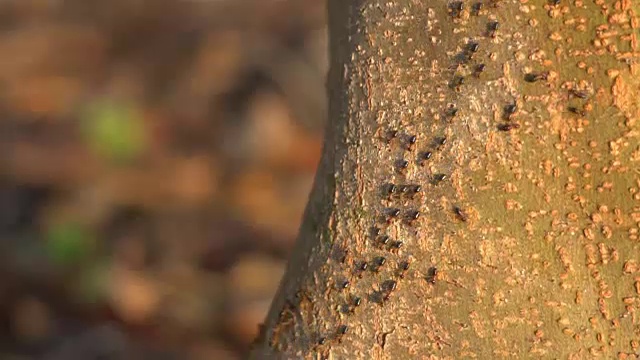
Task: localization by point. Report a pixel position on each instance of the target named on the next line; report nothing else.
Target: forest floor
(155, 161)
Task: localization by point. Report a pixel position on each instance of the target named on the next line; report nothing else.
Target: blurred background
(155, 160)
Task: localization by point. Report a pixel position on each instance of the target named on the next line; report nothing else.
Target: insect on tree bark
(527, 240)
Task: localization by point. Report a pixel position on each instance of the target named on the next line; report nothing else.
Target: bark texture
(526, 240)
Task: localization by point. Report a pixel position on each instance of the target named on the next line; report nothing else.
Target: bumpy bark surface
(526, 244)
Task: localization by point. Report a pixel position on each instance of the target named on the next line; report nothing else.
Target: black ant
(432, 274)
(479, 69)
(384, 241)
(577, 111)
(492, 28)
(579, 94)
(404, 267)
(379, 262)
(375, 231)
(412, 216)
(424, 157)
(341, 331)
(390, 190)
(414, 190)
(456, 82)
(392, 213)
(508, 127)
(396, 246)
(476, 8)
(452, 111)
(460, 214)
(411, 141)
(473, 47)
(440, 142)
(391, 134)
(364, 266)
(455, 8)
(388, 287)
(534, 77)
(402, 164)
(438, 178)
(509, 110)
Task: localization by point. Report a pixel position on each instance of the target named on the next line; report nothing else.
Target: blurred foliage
(68, 242)
(219, 104)
(114, 130)
(92, 284)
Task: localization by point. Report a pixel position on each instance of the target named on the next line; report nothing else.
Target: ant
(375, 231)
(508, 127)
(492, 28)
(384, 241)
(412, 216)
(341, 331)
(476, 8)
(402, 165)
(389, 190)
(404, 267)
(452, 111)
(392, 213)
(577, 111)
(456, 82)
(391, 134)
(411, 141)
(396, 246)
(424, 157)
(379, 262)
(403, 189)
(432, 274)
(438, 178)
(414, 190)
(534, 77)
(440, 142)
(473, 47)
(455, 8)
(479, 69)
(579, 94)
(460, 214)
(388, 287)
(509, 110)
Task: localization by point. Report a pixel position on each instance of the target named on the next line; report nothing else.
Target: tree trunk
(522, 239)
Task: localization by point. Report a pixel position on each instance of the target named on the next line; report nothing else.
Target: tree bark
(523, 238)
